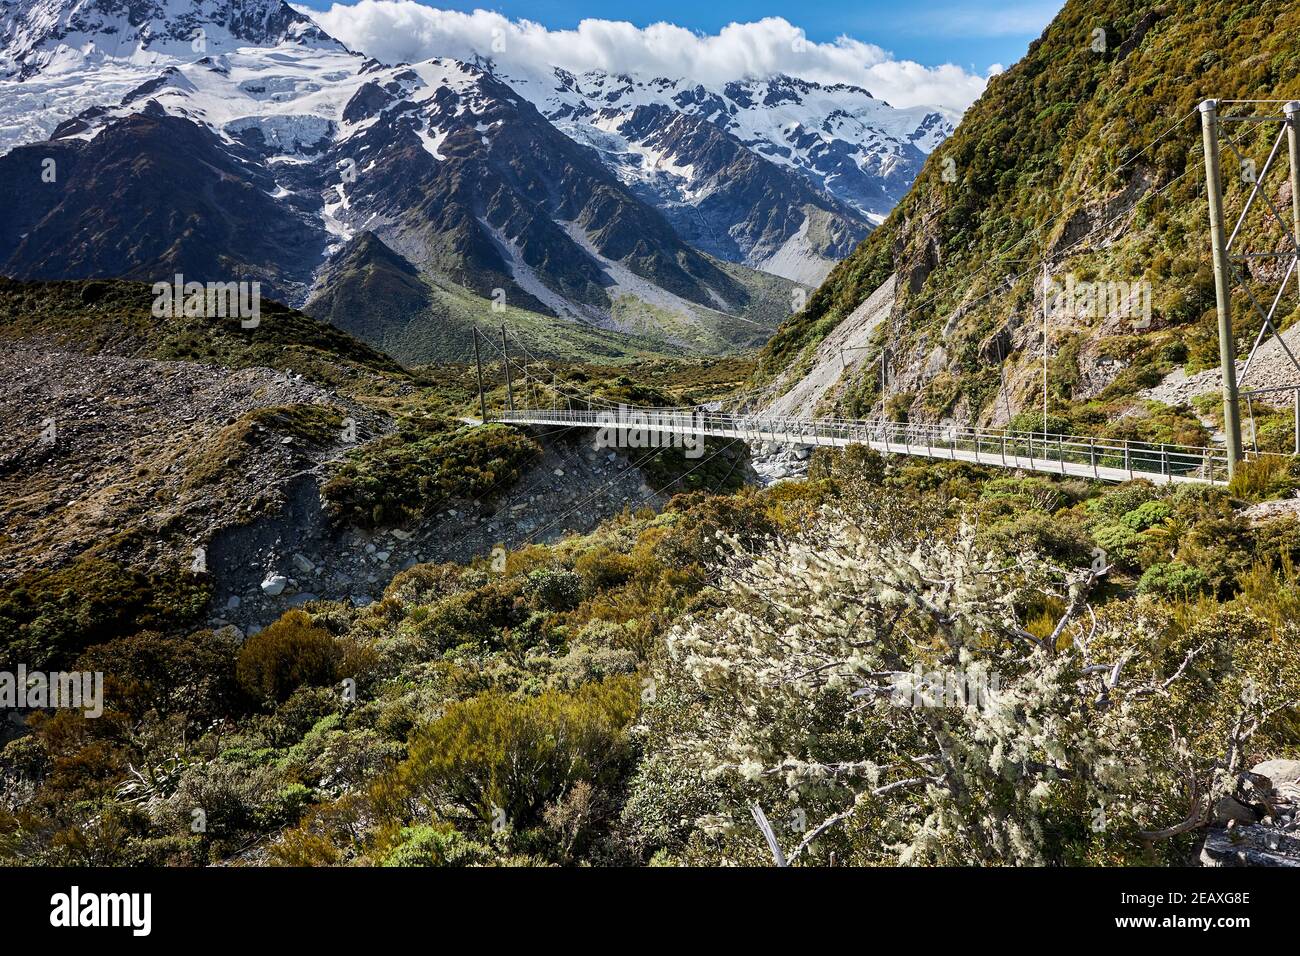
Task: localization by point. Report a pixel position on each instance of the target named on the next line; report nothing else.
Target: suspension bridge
(1102, 459)
(1073, 456)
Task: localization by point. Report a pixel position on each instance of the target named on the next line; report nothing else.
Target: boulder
(1256, 845)
(1229, 810)
(1279, 771)
(274, 584)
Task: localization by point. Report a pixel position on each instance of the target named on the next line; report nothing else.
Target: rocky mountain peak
(60, 35)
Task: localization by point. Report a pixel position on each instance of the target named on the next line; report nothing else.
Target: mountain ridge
(1086, 158)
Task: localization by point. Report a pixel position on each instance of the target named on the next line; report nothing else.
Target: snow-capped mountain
(845, 141)
(721, 196)
(235, 139)
(59, 36)
(61, 57)
(325, 175)
(783, 174)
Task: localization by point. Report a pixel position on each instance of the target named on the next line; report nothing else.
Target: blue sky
(969, 33)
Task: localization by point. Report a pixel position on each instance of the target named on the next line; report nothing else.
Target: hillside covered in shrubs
(1083, 160)
(632, 695)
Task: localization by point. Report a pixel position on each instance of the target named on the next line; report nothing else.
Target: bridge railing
(1099, 457)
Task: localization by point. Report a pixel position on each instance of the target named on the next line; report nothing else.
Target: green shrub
(192, 675)
(1265, 477)
(698, 518)
(440, 845)
(1173, 580)
(286, 807)
(48, 617)
(1146, 515)
(1123, 545)
(428, 460)
(305, 709)
(557, 589)
(1061, 538)
(426, 583)
(1032, 421)
(236, 801)
(719, 468)
(289, 654)
(1038, 494)
(477, 616)
(602, 569)
(665, 798)
(1122, 499)
(494, 752)
(856, 461)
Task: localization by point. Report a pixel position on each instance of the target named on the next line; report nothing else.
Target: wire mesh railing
(1080, 456)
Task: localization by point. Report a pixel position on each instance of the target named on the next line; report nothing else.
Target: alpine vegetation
(458, 453)
(818, 632)
(211, 300)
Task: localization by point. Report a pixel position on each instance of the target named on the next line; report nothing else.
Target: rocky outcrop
(297, 555)
(775, 463)
(1263, 829)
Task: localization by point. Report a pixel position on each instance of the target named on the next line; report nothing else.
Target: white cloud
(402, 30)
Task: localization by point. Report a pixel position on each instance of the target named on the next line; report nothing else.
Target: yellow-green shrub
(289, 654)
(495, 751)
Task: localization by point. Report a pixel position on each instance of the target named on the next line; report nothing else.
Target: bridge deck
(1080, 457)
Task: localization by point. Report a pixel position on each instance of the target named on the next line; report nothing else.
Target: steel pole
(1222, 284)
(478, 366)
(505, 356)
(1292, 111)
(1046, 292)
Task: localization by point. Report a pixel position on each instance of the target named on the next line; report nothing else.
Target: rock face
(775, 463)
(1271, 368)
(1280, 772)
(1272, 510)
(310, 558)
(843, 355)
(1264, 833)
(1255, 845)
